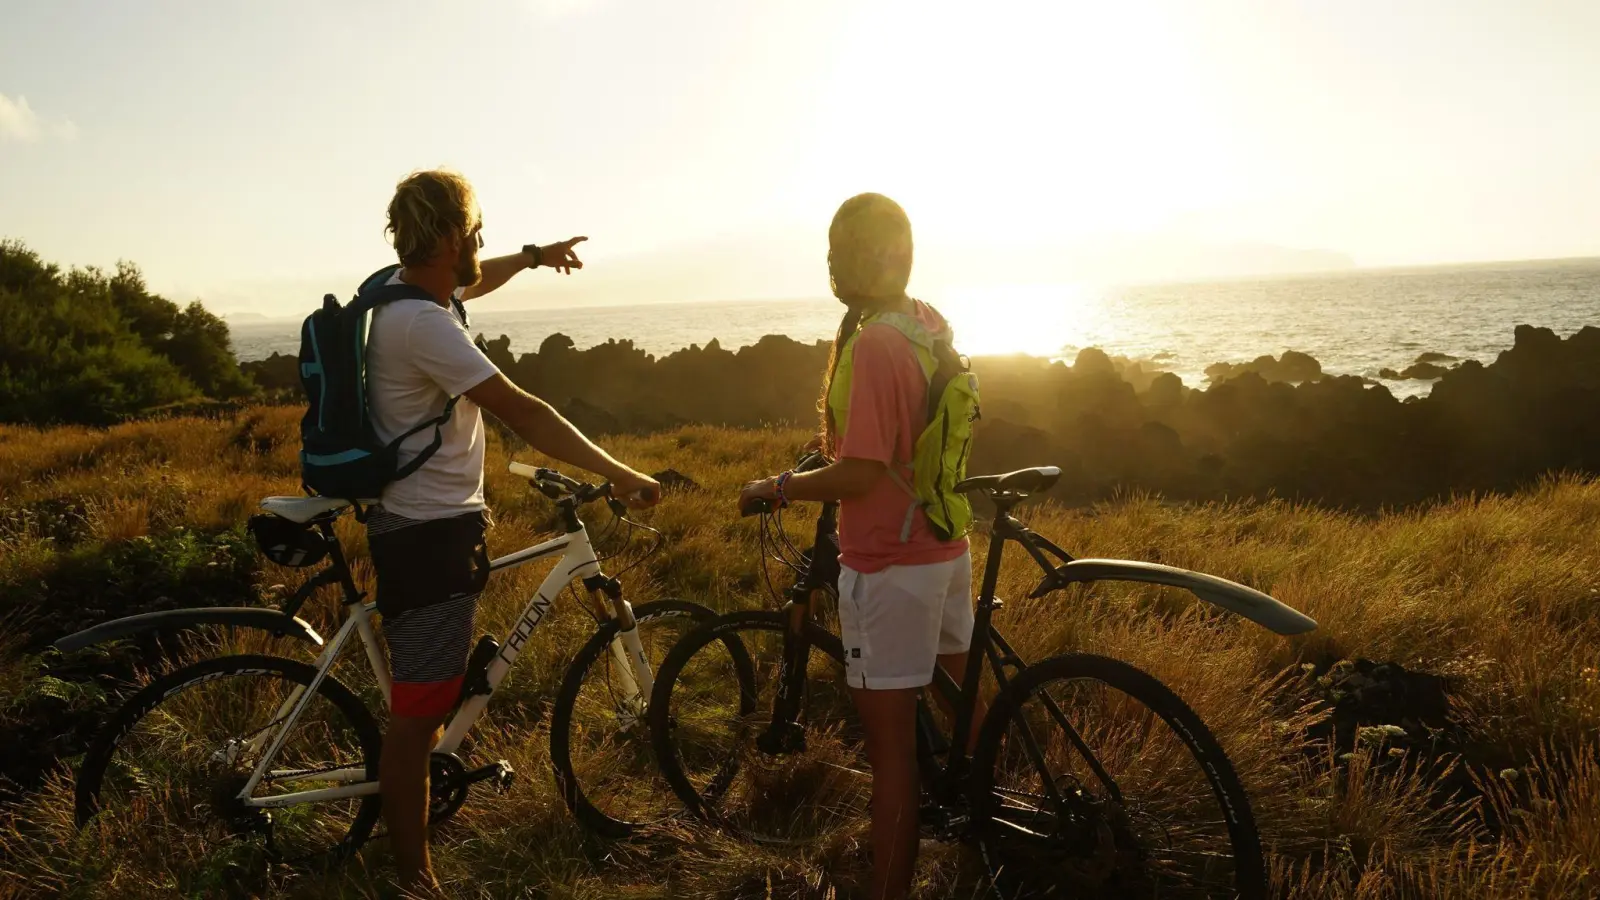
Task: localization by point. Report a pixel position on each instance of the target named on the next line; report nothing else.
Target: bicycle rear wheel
(715, 744)
(1093, 779)
(599, 746)
(161, 779)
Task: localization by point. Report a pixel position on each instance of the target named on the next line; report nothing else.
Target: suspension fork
(634, 675)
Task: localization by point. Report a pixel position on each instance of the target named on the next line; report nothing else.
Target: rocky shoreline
(1272, 427)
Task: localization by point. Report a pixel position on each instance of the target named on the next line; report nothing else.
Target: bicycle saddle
(1022, 481)
(301, 509)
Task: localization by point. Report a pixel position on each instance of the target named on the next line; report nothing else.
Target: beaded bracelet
(783, 499)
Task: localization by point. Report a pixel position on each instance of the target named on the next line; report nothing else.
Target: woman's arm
(843, 480)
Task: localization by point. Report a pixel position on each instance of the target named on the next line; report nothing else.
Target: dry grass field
(1497, 797)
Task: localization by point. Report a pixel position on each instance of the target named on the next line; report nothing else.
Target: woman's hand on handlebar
(636, 489)
(758, 496)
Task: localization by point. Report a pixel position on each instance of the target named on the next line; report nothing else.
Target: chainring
(447, 787)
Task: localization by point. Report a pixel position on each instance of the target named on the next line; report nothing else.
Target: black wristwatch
(537, 254)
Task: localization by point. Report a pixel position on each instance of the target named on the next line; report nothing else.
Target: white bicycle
(277, 757)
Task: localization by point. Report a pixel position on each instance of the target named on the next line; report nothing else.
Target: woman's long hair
(869, 265)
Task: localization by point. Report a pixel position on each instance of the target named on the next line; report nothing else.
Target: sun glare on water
(1035, 319)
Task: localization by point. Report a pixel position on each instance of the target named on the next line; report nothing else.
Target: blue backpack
(341, 455)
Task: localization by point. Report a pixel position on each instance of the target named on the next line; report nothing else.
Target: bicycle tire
(1010, 880)
(706, 800)
(113, 736)
(617, 819)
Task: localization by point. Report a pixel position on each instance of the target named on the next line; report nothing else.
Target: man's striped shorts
(430, 573)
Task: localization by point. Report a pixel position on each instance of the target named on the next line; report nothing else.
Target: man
(427, 536)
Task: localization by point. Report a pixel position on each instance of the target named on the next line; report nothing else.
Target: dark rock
(1418, 371)
(1093, 361)
(590, 419)
(1409, 708)
(280, 371)
(673, 481)
(1293, 367)
(1434, 357)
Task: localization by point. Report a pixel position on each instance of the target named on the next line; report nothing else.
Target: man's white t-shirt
(419, 355)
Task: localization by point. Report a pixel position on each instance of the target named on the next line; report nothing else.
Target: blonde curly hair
(429, 206)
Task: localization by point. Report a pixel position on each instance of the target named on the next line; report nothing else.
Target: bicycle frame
(578, 561)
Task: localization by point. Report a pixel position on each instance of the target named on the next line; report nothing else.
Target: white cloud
(18, 122)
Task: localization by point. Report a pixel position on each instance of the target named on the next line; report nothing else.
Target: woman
(904, 594)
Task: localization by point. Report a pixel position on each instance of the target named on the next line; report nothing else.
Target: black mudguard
(268, 620)
(1260, 608)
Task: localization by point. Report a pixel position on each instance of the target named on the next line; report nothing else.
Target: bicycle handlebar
(554, 485)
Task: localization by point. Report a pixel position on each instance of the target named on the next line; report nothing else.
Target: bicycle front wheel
(599, 745)
(719, 748)
(1093, 779)
(162, 778)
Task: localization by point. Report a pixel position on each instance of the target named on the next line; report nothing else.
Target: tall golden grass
(1501, 594)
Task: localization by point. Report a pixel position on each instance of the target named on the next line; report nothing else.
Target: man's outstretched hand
(560, 255)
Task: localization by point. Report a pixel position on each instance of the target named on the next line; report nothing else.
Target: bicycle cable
(661, 541)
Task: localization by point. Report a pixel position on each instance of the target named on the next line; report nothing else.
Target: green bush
(86, 347)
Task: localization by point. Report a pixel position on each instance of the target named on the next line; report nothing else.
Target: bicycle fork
(634, 675)
(784, 733)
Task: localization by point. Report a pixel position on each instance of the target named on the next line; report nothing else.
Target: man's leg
(429, 576)
(889, 718)
(403, 777)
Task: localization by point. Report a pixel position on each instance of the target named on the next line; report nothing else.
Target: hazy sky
(244, 152)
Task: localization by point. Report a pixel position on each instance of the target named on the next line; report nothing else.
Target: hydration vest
(939, 456)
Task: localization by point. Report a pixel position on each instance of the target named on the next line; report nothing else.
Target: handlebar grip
(811, 462)
(526, 471)
(756, 508)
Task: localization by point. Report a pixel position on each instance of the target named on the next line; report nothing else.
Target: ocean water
(1355, 323)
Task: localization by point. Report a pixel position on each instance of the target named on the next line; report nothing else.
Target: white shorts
(895, 622)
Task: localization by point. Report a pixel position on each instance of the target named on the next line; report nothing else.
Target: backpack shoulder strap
(437, 424)
(376, 290)
(915, 331)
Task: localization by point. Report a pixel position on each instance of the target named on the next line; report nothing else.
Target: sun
(1036, 319)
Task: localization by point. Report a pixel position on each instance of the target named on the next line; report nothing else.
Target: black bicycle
(1088, 777)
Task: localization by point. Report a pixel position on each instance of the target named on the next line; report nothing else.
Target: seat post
(340, 567)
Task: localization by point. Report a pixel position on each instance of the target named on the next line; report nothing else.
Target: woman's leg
(955, 665)
(889, 719)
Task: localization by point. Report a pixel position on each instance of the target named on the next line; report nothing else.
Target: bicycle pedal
(499, 772)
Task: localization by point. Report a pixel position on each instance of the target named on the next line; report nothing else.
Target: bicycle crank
(449, 778)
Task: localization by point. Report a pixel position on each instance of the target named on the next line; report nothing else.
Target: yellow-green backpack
(939, 456)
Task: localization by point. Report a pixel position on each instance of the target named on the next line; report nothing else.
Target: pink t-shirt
(888, 409)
